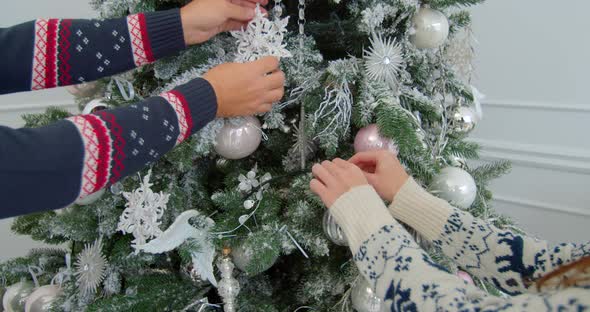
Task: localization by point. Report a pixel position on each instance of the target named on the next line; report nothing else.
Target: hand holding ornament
(333, 179)
(244, 89)
(383, 171)
(203, 19)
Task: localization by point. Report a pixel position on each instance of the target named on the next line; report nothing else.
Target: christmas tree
(367, 74)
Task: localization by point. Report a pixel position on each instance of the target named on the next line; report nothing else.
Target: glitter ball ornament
(465, 276)
(228, 287)
(369, 139)
(91, 198)
(363, 297)
(241, 257)
(456, 186)
(83, 89)
(16, 296)
(239, 138)
(90, 267)
(94, 106)
(430, 29)
(463, 120)
(42, 299)
(383, 60)
(333, 230)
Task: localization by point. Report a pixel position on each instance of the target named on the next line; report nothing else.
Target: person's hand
(203, 19)
(334, 178)
(383, 171)
(244, 89)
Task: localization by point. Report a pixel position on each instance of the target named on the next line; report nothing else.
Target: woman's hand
(203, 19)
(334, 178)
(383, 171)
(244, 89)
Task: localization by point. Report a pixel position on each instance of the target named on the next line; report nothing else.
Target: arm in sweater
(500, 257)
(408, 280)
(78, 156)
(47, 53)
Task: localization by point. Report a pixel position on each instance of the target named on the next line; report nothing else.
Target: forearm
(47, 53)
(505, 259)
(83, 154)
(407, 279)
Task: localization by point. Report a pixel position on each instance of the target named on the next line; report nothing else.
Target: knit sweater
(81, 155)
(407, 279)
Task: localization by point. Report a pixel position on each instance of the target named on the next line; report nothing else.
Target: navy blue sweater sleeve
(76, 157)
(47, 53)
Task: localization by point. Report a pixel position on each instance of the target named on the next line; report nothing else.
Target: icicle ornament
(229, 287)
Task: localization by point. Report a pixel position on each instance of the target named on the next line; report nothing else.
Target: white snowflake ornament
(384, 60)
(262, 37)
(90, 267)
(143, 212)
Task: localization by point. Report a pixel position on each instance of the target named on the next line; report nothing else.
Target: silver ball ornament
(364, 299)
(16, 295)
(369, 139)
(239, 139)
(456, 186)
(241, 257)
(42, 298)
(333, 230)
(91, 198)
(94, 106)
(463, 120)
(431, 29)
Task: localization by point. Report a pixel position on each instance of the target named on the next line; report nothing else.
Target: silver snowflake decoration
(90, 267)
(384, 60)
(143, 212)
(262, 37)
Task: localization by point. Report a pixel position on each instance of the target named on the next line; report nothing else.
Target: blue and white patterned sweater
(409, 280)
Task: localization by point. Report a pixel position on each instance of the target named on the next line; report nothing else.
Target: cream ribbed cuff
(422, 211)
(360, 213)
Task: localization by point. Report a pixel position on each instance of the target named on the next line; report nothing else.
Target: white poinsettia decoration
(262, 37)
(384, 60)
(143, 212)
(90, 267)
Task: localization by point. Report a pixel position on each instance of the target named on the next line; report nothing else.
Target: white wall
(532, 63)
(14, 105)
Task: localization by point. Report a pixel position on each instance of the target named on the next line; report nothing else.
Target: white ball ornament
(364, 298)
(42, 298)
(430, 28)
(456, 186)
(94, 106)
(91, 198)
(333, 230)
(238, 139)
(16, 296)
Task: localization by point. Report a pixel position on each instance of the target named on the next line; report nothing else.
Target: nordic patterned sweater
(78, 156)
(404, 276)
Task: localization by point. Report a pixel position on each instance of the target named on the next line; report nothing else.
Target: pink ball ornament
(369, 139)
(465, 276)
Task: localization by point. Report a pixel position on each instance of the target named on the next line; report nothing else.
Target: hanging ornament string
(301, 23)
(125, 88)
(35, 271)
(63, 275)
